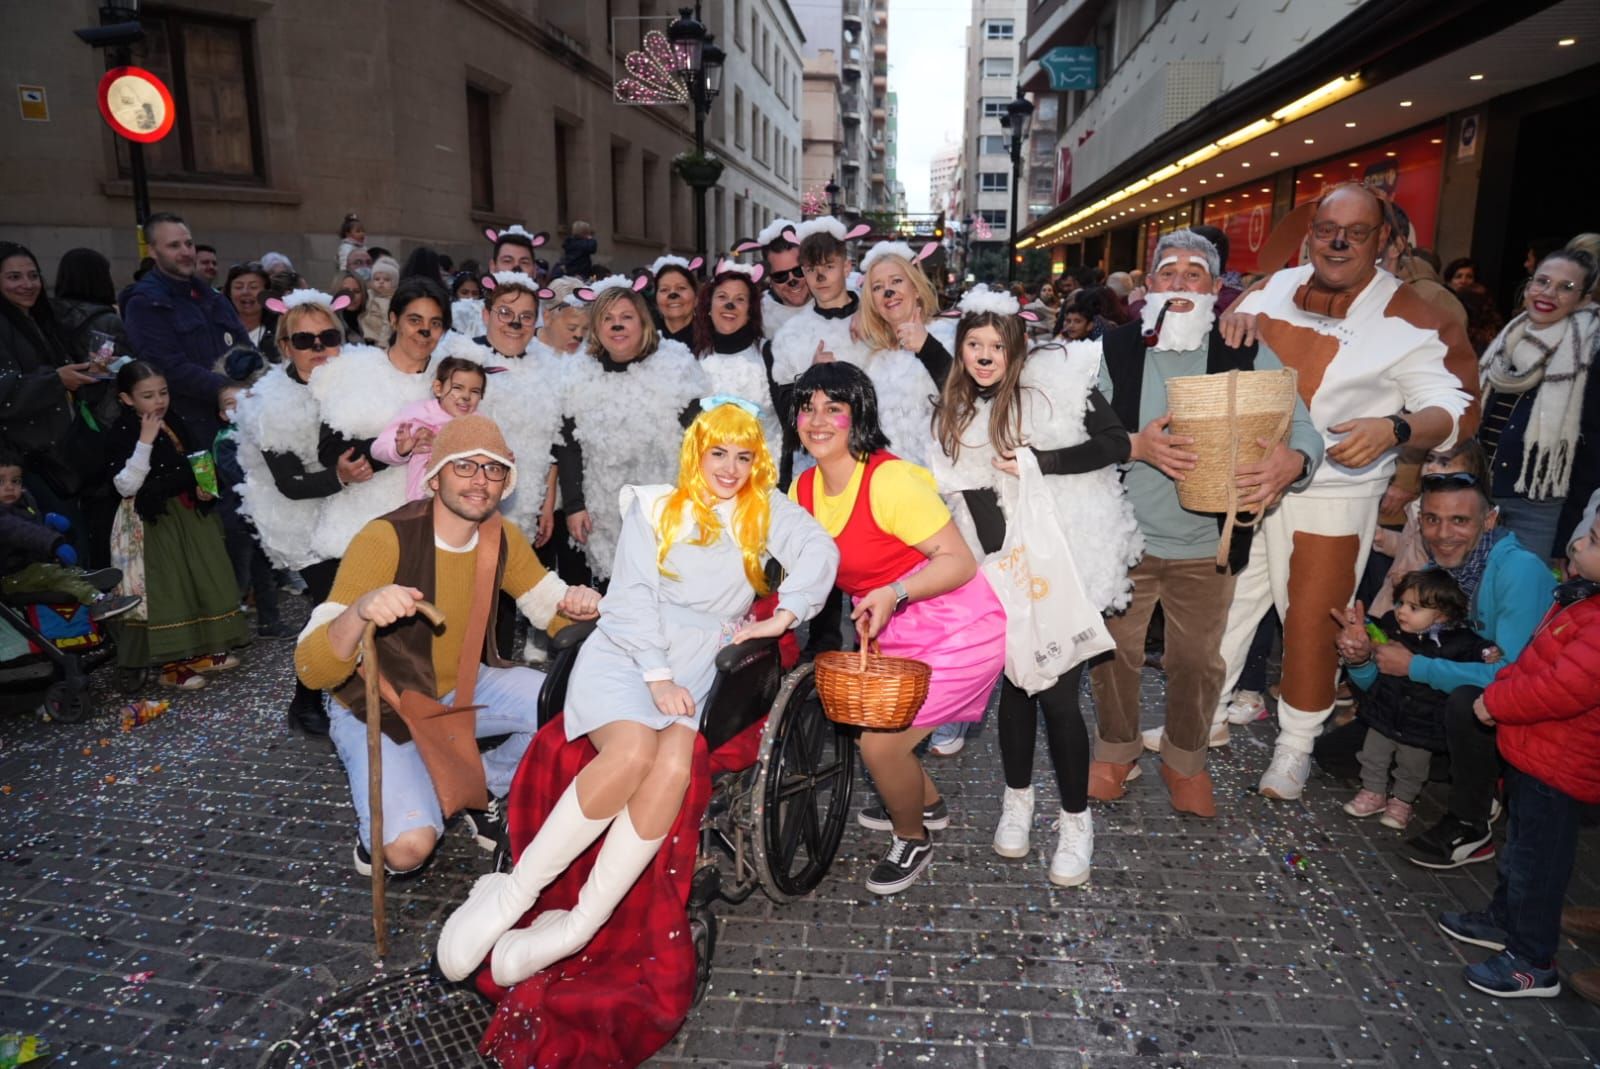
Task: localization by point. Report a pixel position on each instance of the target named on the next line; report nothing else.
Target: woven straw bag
(868, 690)
(1225, 415)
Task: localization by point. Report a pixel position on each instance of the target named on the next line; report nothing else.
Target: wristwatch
(901, 594)
(1402, 430)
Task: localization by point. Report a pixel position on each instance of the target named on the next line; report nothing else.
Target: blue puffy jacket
(183, 326)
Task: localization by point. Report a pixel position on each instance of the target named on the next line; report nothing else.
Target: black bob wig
(849, 385)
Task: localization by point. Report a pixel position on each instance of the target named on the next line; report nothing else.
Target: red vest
(869, 556)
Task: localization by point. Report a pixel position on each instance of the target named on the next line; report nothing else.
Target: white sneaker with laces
(1285, 778)
(1151, 737)
(1011, 835)
(1074, 849)
(1247, 707)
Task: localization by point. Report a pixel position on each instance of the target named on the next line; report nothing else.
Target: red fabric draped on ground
(621, 998)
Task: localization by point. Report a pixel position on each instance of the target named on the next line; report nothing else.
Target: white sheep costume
(279, 415)
(357, 394)
(1092, 508)
(627, 425)
(523, 395)
(744, 374)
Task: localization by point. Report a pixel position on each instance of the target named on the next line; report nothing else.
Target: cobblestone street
(182, 894)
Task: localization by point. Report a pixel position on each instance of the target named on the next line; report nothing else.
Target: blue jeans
(1533, 522)
(1535, 865)
(510, 699)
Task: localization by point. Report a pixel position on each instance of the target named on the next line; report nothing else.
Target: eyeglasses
(507, 316)
(1545, 284)
(1450, 480)
(783, 278)
(493, 470)
(327, 339)
(1355, 233)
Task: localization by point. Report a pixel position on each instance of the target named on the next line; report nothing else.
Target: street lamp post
(966, 243)
(1016, 120)
(832, 190)
(701, 70)
(119, 30)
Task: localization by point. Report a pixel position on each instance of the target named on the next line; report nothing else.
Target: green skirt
(191, 600)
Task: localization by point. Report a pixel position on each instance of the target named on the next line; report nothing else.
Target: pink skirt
(962, 637)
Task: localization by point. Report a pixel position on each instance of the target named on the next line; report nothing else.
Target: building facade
(994, 38)
(451, 116)
(847, 29)
(822, 127)
(943, 187)
(1236, 114)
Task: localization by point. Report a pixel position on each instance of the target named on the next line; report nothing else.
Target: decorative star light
(655, 74)
(814, 202)
(981, 229)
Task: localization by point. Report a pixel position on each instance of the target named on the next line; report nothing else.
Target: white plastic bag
(1050, 625)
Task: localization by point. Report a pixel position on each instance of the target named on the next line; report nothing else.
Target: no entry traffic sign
(136, 104)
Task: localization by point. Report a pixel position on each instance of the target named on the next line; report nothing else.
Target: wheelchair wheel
(801, 795)
(703, 932)
(67, 703)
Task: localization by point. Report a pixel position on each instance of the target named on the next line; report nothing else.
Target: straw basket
(1225, 414)
(869, 690)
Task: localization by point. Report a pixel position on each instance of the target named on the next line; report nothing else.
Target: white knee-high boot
(499, 899)
(556, 934)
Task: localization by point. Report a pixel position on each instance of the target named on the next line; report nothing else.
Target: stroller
(50, 639)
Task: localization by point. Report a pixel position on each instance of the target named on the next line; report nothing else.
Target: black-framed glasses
(783, 278)
(1450, 480)
(493, 470)
(505, 315)
(1355, 233)
(325, 339)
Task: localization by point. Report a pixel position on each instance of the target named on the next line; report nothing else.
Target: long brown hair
(957, 402)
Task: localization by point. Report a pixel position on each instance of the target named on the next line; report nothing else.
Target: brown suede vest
(405, 648)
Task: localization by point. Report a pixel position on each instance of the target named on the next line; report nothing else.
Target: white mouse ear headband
(981, 298)
(295, 298)
(516, 229)
(676, 261)
(638, 284)
(897, 248)
(754, 272)
(507, 278)
(828, 224)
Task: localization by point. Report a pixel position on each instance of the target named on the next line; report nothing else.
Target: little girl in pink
(458, 385)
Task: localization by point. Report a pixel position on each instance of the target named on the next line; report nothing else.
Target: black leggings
(1065, 734)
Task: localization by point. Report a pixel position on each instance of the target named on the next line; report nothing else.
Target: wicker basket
(869, 690)
(1225, 414)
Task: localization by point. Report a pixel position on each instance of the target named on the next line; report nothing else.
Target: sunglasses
(1450, 480)
(327, 339)
(783, 278)
(493, 470)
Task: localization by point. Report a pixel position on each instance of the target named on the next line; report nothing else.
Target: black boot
(307, 712)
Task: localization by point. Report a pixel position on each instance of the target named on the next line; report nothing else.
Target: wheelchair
(773, 824)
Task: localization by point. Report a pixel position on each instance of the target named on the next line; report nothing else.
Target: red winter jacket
(1547, 702)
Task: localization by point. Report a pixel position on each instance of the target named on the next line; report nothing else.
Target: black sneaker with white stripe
(488, 826)
(935, 817)
(1450, 844)
(901, 865)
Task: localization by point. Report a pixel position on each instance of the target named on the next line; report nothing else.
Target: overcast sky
(927, 70)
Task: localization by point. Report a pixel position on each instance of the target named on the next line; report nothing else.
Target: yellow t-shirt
(905, 501)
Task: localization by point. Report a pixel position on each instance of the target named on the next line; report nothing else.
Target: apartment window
(654, 222)
(738, 22)
(993, 181)
(562, 162)
(480, 148)
(619, 170)
(994, 107)
(992, 145)
(998, 67)
(210, 66)
(738, 116)
(755, 38)
(995, 217)
(999, 29)
(755, 132)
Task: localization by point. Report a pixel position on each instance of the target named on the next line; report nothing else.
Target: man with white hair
(1180, 569)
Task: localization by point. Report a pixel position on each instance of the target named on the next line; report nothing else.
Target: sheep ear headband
(507, 278)
(515, 230)
(295, 298)
(897, 248)
(754, 272)
(638, 284)
(662, 262)
(828, 224)
(981, 298)
(778, 228)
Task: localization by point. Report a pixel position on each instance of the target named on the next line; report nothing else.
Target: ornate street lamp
(701, 70)
(1017, 119)
(832, 190)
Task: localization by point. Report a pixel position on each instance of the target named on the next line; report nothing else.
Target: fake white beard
(1181, 332)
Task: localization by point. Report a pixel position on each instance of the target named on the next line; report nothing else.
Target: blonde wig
(729, 425)
(877, 330)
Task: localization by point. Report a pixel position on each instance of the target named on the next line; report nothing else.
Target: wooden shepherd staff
(369, 661)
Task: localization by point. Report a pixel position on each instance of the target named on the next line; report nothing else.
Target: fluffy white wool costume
(358, 393)
(627, 423)
(278, 415)
(466, 316)
(744, 375)
(1092, 508)
(774, 314)
(905, 389)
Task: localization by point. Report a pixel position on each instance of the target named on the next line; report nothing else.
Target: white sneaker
(1074, 849)
(1152, 738)
(1016, 822)
(948, 739)
(1247, 707)
(1285, 778)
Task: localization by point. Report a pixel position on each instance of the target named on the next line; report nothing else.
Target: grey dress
(654, 626)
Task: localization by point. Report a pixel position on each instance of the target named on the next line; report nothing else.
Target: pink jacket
(429, 414)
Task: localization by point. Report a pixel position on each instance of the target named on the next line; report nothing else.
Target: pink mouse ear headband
(516, 229)
(663, 262)
(295, 298)
(507, 278)
(754, 272)
(638, 284)
(981, 298)
(897, 248)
